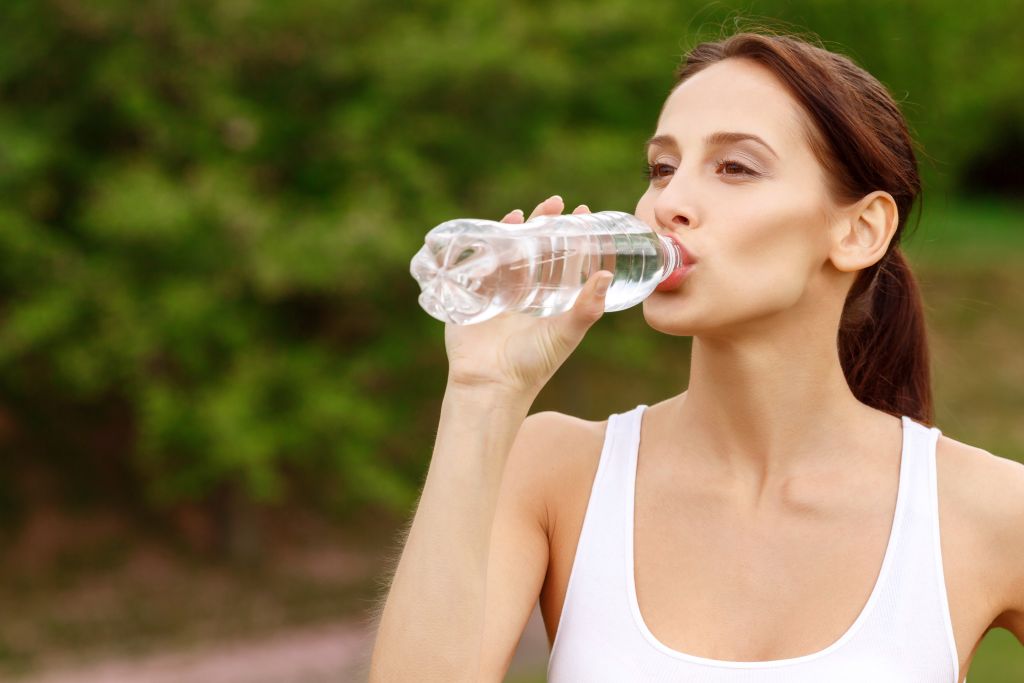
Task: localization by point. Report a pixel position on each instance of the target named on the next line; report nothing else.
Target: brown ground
(87, 599)
(319, 654)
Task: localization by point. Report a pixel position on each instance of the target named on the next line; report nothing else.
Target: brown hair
(861, 139)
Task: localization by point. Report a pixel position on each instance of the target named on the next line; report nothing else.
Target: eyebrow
(718, 138)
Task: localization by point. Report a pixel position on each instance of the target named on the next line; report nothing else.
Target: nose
(674, 211)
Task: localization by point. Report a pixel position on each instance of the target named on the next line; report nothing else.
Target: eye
(731, 167)
(654, 171)
(726, 167)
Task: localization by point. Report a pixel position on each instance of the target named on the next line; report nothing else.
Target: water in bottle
(470, 270)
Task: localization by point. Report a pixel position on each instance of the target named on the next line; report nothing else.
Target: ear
(861, 234)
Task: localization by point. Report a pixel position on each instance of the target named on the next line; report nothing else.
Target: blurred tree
(207, 209)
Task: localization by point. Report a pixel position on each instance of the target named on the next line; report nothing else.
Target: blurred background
(218, 395)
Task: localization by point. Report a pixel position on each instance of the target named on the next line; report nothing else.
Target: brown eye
(654, 171)
(730, 167)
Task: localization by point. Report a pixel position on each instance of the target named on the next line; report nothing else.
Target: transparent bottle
(470, 270)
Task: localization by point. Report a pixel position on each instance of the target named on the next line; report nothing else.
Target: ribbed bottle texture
(470, 270)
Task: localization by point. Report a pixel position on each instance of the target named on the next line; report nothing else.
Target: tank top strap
(624, 446)
(918, 493)
(595, 601)
(919, 574)
(913, 591)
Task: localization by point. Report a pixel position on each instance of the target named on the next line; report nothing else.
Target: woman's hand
(518, 352)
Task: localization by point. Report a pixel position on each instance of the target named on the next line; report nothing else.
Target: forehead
(735, 94)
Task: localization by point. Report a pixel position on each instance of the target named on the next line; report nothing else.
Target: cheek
(762, 283)
(772, 255)
(753, 263)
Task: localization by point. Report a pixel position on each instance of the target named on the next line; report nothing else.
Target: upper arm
(518, 558)
(1010, 545)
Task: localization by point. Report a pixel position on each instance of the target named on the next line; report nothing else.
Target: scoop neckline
(887, 560)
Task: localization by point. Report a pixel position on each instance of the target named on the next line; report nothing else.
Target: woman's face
(736, 180)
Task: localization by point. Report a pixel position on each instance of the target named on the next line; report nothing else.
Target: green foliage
(207, 209)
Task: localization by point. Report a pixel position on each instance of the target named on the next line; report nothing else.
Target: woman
(778, 520)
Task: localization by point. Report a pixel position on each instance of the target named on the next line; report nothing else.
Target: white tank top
(903, 634)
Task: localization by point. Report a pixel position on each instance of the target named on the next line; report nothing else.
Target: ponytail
(883, 346)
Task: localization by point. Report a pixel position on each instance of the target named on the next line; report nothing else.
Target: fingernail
(555, 196)
(602, 286)
(519, 211)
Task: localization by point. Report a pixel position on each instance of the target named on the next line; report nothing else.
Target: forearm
(432, 622)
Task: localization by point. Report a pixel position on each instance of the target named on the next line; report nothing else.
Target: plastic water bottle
(470, 270)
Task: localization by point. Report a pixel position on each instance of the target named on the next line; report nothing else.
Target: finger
(589, 305)
(570, 328)
(551, 205)
(582, 208)
(514, 216)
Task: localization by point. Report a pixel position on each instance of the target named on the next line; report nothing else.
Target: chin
(671, 316)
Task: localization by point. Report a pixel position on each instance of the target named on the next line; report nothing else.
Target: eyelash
(650, 168)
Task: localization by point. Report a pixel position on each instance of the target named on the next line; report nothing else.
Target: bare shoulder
(984, 485)
(554, 450)
(986, 493)
(558, 429)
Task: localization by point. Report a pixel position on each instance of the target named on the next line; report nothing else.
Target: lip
(674, 280)
(688, 258)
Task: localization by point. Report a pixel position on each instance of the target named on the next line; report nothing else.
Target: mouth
(673, 281)
(688, 258)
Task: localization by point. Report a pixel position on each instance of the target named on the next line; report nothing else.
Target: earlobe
(863, 232)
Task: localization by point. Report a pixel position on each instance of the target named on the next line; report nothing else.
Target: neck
(767, 407)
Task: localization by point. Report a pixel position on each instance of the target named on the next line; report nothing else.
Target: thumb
(589, 305)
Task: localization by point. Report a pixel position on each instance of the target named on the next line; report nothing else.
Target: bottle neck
(672, 255)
